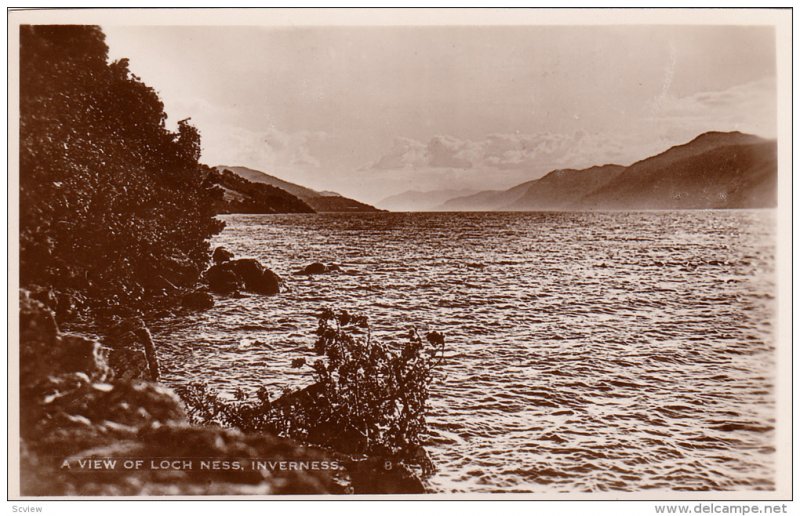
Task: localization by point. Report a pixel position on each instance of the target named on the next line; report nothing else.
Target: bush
(367, 398)
(114, 207)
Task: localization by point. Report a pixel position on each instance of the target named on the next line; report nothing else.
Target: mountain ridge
(714, 170)
(319, 201)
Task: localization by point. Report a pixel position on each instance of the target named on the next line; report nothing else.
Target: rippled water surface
(586, 351)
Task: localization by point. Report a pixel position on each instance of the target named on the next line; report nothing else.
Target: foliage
(368, 397)
(243, 196)
(114, 207)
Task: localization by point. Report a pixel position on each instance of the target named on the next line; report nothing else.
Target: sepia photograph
(424, 253)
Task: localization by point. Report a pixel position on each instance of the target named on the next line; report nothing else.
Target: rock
(45, 351)
(249, 270)
(270, 283)
(221, 255)
(228, 276)
(318, 268)
(198, 300)
(129, 341)
(218, 447)
(222, 279)
(126, 405)
(81, 354)
(256, 278)
(48, 356)
(315, 268)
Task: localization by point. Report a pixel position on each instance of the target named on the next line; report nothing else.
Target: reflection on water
(586, 351)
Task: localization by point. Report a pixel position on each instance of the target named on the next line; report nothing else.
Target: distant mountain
(557, 190)
(319, 201)
(414, 200)
(564, 189)
(242, 196)
(715, 170)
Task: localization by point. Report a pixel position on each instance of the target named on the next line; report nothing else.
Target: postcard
(423, 253)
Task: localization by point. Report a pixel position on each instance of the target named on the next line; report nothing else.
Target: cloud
(292, 149)
(450, 152)
(748, 107)
(226, 142)
(269, 149)
(530, 153)
(405, 153)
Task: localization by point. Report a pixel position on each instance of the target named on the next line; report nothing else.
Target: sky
(374, 111)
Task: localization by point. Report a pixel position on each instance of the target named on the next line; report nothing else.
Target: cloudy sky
(374, 111)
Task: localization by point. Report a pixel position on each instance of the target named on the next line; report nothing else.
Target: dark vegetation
(337, 204)
(115, 209)
(243, 196)
(368, 397)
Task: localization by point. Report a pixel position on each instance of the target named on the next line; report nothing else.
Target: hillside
(715, 170)
(489, 200)
(319, 201)
(243, 196)
(562, 189)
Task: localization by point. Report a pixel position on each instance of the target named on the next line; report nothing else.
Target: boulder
(318, 268)
(256, 278)
(315, 268)
(198, 300)
(80, 354)
(222, 279)
(248, 269)
(270, 283)
(45, 351)
(228, 276)
(221, 255)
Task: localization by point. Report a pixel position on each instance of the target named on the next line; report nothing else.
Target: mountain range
(715, 170)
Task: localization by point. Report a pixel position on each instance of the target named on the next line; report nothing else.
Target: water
(586, 351)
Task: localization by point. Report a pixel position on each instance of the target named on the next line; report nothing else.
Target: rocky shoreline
(95, 400)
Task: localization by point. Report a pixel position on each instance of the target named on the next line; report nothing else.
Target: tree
(114, 207)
